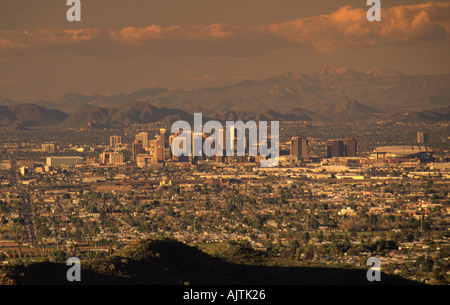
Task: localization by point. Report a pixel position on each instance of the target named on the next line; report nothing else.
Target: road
(29, 236)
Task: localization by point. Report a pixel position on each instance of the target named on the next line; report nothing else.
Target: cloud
(348, 27)
(34, 39)
(345, 28)
(198, 40)
(141, 35)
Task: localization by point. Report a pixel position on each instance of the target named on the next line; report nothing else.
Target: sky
(122, 46)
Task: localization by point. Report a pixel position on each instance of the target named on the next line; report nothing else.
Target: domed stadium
(402, 152)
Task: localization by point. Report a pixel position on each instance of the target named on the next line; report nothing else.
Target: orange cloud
(348, 27)
(19, 40)
(345, 28)
(137, 35)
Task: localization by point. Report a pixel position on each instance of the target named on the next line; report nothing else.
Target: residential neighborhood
(338, 210)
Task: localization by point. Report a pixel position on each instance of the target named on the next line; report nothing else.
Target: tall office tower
(163, 137)
(222, 140)
(143, 137)
(335, 148)
(216, 143)
(299, 147)
(350, 147)
(196, 142)
(171, 137)
(116, 158)
(231, 143)
(159, 154)
(136, 149)
(49, 148)
(180, 142)
(104, 157)
(422, 138)
(115, 141)
(24, 170)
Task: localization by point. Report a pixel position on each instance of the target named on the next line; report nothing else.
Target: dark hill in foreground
(165, 261)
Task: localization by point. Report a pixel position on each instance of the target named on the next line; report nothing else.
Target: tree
(293, 245)
(306, 237)
(425, 263)
(320, 237)
(58, 256)
(309, 252)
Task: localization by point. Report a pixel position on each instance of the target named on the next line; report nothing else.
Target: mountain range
(329, 94)
(25, 116)
(29, 115)
(132, 112)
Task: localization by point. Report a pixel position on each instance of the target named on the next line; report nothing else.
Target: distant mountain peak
(336, 71)
(353, 106)
(386, 72)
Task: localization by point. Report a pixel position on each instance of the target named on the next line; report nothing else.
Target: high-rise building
(143, 137)
(116, 158)
(335, 148)
(197, 144)
(422, 138)
(222, 140)
(163, 138)
(299, 147)
(104, 157)
(159, 154)
(136, 149)
(143, 160)
(171, 137)
(49, 148)
(109, 157)
(115, 141)
(231, 140)
(349, 147)
(24, 170)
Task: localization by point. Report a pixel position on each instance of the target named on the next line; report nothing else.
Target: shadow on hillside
(169, 262)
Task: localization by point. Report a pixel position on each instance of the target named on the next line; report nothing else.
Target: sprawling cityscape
(207, 143)
(328, 202)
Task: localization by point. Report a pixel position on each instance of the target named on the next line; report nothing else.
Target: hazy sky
(122, 46)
